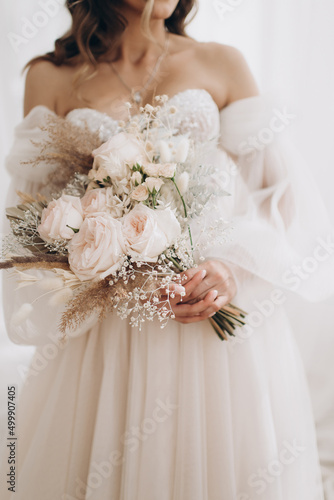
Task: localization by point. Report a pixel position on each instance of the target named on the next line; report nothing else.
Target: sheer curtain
(289, 46)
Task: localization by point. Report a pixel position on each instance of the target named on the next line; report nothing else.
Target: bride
(172, 414)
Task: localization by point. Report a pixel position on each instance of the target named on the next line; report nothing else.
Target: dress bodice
(196, 114)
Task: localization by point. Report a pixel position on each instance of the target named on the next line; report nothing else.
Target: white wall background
(289, 45)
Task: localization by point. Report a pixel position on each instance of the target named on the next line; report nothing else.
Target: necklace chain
(136, 95)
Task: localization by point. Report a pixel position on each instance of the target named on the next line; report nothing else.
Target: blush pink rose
(140, 193)
(151, 169)
(94, 201)
(148, 233)
(167, 170)
(58, 215)
(97, 249)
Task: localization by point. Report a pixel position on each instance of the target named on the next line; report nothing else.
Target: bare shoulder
(228, 70)
(44, 81)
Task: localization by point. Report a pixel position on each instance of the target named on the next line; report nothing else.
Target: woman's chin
(163, 9)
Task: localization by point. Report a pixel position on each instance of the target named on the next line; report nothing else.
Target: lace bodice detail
(196, 114)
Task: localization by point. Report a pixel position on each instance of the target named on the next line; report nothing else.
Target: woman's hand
(208, 288)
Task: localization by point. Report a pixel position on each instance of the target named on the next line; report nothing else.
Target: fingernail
(215, 294)
(212, 315)
(203, 273)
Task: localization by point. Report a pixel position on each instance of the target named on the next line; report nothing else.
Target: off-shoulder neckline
(230, 106)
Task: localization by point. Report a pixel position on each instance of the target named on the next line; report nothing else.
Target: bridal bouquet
(124, 221)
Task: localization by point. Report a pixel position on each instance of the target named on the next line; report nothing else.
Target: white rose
(151, 169)
(109, 166)
(167, 170)
(140, 193)
(58, 215)
(153, 183)
(102, 200)
(148, 233)
(93, 201)
(116, 155)
(136, 177)
(96, 250)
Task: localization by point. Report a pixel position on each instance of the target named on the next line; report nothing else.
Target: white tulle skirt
(170, 414)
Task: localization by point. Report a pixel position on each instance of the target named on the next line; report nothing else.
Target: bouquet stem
(226, 320)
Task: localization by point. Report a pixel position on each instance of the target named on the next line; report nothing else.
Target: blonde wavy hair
(97, 26)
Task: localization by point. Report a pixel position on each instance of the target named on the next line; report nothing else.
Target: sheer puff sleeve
(281, 230)
(41, 325)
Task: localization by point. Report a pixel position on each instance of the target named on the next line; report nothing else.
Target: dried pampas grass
(40, 261)
(69, 147)
(97, 296)
(104, 295)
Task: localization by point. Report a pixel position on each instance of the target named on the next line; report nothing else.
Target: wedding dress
(174, 413)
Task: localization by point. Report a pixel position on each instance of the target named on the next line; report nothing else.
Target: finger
(171, 290)
(174, 288)
(194, 283)
(225, 288)
(215, 306)
(203, 316)
(208, 313)
(198, 308)
(199, 293)
(190, 273)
